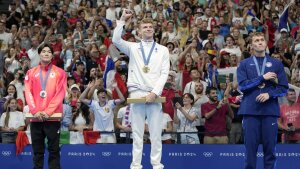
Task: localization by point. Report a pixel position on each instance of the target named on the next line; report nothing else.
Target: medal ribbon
(262, 71)
(44, 82)
(146, 60)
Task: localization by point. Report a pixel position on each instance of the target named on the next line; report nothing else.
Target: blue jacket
(248, 81)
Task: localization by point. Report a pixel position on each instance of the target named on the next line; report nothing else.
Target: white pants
(154, 114)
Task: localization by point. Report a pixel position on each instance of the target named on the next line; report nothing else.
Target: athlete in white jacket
(148, 71)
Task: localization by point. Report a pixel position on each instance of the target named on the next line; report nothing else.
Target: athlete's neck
(147, 40)
(260, 54)
(43, 63)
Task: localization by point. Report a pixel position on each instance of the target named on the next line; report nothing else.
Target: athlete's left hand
(262, 97)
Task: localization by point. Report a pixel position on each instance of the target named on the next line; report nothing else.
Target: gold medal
(146, 69)
(261, 86)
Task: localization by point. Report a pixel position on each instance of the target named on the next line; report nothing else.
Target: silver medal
(43, 93)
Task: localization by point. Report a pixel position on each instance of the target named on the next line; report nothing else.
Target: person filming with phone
(186, 116)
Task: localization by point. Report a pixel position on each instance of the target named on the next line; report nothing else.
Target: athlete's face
(259, 44)
(147, 31)
(46, 55)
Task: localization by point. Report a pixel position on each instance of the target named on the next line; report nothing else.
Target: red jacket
(168, 106)
(55, 88)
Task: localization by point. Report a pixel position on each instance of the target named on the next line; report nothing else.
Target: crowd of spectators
(206, 40)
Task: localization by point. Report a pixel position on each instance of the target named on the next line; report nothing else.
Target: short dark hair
(193, 68)
(228, 36)
(101, 91)
(210, 89)
(291, 90)
(183, 19)
(44, 46)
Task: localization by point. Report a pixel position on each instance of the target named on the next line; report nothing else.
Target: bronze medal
(262, 85)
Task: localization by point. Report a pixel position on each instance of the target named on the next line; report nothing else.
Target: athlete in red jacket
(45, 88)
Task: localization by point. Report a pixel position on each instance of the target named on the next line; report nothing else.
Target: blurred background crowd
(206, 39)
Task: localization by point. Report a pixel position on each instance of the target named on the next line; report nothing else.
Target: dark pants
(201, 131)
(260, 129)
(39, 131)
(123, 140)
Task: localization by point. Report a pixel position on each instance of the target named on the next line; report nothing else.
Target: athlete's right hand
(39, 116)
(127, 13)
(270, 75)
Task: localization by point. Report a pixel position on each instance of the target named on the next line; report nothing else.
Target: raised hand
(127, 13)
(178, 106)
(91, 84)
(98, 82)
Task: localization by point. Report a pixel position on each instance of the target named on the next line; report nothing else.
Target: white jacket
(159, 63)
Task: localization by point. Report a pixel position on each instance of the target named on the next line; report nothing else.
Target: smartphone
(178, 100)
(168, 85)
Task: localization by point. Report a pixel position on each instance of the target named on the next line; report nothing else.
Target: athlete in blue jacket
(261, 79)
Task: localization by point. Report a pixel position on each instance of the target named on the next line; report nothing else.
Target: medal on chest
(146, 68)
(262, 85)
(43, 93)
(260, 72)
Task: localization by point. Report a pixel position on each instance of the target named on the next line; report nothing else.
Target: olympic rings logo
(208, 154)
(6, 153)
(106, 154)
(260, 154)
